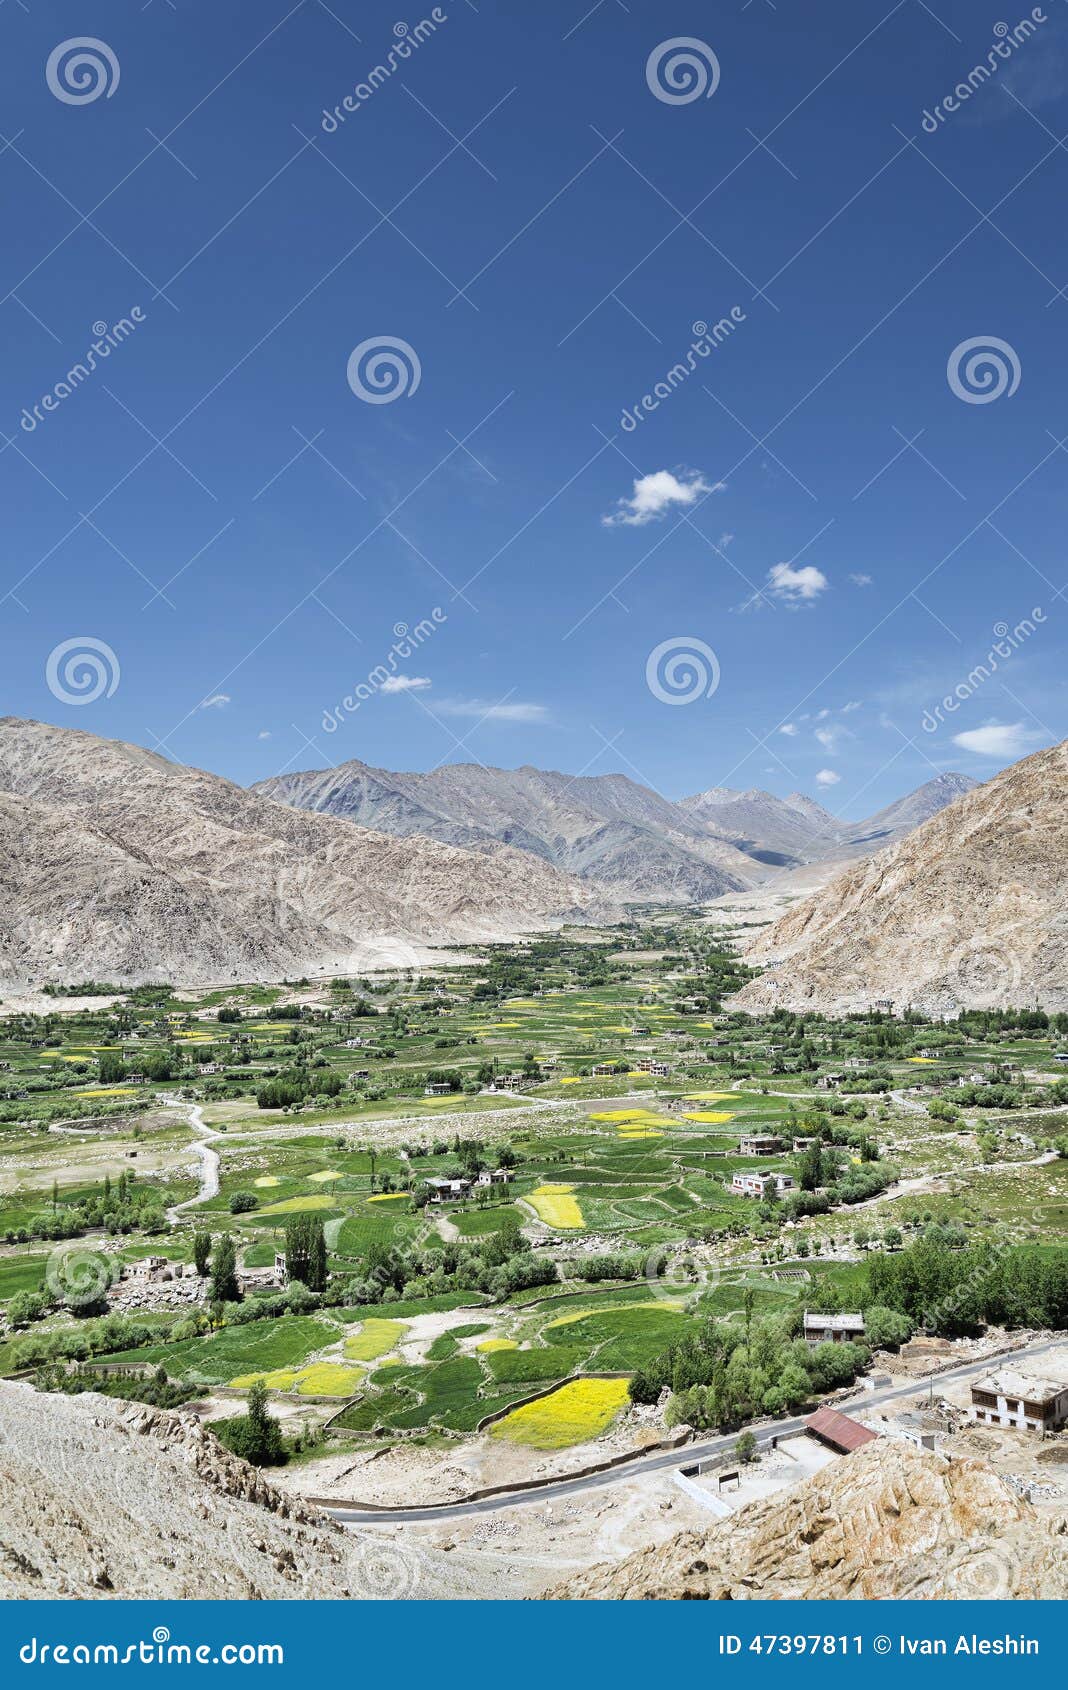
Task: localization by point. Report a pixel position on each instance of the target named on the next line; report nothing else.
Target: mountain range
(116, 864)
(608, 828)
(970, 910)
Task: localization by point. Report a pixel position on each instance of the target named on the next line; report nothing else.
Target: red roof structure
(838, 1431)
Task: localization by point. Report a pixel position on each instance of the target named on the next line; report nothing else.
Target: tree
(243, 1202)
(201, 1251)
(111, 1069)
(745, 1448)
(306, 1252)
(255, 1436)
(224, 1282)
(886, 1328)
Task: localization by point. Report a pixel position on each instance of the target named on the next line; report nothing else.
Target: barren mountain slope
(797, 830)
(110, 1499)
(887, 1521)
(118, 864)
(604, 828)
(969, 911)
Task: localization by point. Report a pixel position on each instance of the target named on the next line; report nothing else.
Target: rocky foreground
(103, 1498)
(887, 1521)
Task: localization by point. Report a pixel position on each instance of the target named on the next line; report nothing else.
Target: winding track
(355, 1515)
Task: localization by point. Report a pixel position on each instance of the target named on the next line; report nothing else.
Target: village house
(755, 1184)
(1022, 1400)
(449, 1190)
(437, 1088)
(600, 1069)
(649, 1065)
(827, 1082)
(832, 1329)
(498, 1176)
(759, 1144)
(640, 1032)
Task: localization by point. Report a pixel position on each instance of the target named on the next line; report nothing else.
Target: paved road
(765, 1431)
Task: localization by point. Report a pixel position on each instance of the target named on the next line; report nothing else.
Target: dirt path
(206, 1155)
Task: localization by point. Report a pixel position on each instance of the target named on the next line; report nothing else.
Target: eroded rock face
(118, 865)
(970, 911)
(104, 1498)
(887, 1521)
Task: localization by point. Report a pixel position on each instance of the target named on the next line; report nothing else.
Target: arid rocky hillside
(887, 1521)
(107, 1499)
(116, 864)
(969, 911)
(603, 828)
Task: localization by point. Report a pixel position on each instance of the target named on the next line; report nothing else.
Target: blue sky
(814, 503)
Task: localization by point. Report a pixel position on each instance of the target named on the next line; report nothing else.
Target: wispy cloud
(796, 586)
(405, 683)
(999, 739)
(656, 494)
(789, 729)
(217, 701)
(860, 580)
(827, 777)
(264, 733)
(507, 712)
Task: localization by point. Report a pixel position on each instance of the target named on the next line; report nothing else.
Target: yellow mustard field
(375, 1338)
(557, 1206)
(579, 1410)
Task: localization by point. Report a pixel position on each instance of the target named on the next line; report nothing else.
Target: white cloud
(854, 704)
(404, 683)
(217, 701)
(725, 540)
(797, 586)
(997, 739)
(263, 734)
(859, 580)
(789, 729)
(827, 777)
(655, 494)
(493, 712)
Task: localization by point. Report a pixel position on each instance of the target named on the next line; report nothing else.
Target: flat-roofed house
(759, 1144)
(755, 1184)
(1023, 1400)
(832, 1329)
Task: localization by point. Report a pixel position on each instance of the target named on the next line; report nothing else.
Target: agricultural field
(519, 1173)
